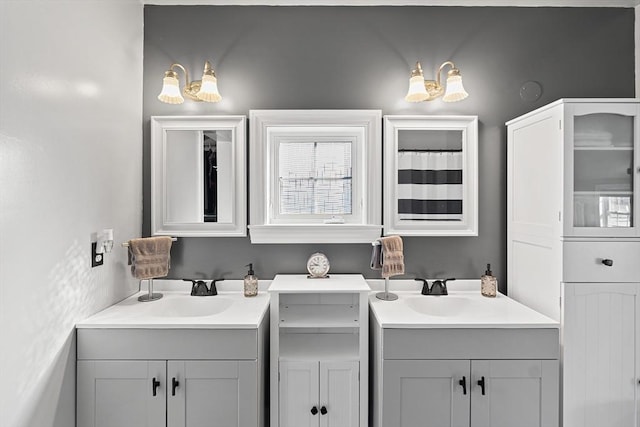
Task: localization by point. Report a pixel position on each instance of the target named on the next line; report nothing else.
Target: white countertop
(462, 308)
(177, 309)
(335, 283)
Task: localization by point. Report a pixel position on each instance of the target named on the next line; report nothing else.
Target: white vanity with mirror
(198, 184)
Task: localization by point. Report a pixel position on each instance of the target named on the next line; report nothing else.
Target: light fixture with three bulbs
(428, 90)
(198, 90)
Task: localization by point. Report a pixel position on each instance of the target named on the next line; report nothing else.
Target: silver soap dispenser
(250, 283)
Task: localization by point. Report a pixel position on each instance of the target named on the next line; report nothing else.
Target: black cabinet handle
(323, 410)
(314, 410)
(154, 385)
(463, 383)
(481, 384)
(607, 262)
(174, 385)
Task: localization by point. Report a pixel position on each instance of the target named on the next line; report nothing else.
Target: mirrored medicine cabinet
(431, 175)
(198, 176)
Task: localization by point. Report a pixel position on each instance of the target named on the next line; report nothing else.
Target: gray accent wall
(360, 57)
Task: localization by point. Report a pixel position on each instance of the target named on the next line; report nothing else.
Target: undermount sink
(441, 306)
(189, 306)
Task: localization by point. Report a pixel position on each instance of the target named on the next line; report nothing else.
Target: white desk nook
(319, 351)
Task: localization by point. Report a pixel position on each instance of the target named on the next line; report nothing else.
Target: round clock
(318, 265)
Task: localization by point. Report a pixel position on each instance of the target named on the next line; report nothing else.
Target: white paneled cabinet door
(339, 394)
(211, 393)
(121, 393)
(426, 393)
(601, 359)
(299, 386)
(508, 393)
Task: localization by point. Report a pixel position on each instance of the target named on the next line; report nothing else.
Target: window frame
(269, 128)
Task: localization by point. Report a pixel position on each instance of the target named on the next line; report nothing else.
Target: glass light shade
(417, 91)
(455, 91)
(170, 93)
(209, 89)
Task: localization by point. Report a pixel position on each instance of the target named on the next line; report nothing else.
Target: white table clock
(318, 266)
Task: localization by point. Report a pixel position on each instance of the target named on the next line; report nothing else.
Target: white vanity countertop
(335, 283)
(177, 309)
(462, 308)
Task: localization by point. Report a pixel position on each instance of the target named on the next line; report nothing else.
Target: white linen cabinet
(573, 247)
(319, 351)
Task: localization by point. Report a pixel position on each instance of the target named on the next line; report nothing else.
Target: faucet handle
(213, 290)
(425, 285)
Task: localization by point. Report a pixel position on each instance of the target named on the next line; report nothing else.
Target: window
(316, 176)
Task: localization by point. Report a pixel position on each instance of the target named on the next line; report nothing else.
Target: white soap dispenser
(250, 283)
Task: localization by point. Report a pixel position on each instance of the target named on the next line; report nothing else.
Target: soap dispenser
(250, 283)
(488, 283)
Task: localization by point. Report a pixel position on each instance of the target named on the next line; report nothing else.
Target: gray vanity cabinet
(460, 393)
(465, 377)
(116, 393)
(171, 377)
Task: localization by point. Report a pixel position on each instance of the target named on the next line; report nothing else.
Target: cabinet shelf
(319, 346)
(602, 148)
(603, 193)
(319, 315)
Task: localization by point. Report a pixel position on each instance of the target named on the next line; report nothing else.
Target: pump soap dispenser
(488, 283)
(250, 283)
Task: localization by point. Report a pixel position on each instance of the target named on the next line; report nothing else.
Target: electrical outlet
(96, 259)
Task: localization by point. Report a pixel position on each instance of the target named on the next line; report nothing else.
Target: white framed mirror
(198, 184)
(431, 175)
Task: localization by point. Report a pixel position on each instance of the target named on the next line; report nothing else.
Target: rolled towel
(150, 256)
(392, 256)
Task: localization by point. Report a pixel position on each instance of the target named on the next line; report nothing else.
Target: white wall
(70, 165)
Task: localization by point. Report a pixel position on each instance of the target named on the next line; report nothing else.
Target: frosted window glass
(315, 178)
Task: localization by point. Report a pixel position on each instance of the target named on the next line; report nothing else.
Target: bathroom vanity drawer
(586, 261)
(441, 343)
(185, 344)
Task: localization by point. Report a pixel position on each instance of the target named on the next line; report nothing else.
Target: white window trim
(266, 126)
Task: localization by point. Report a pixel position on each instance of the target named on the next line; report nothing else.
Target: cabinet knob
(463, 383)
(314, 410)
(323, 410)
(154, 385)
(174, 385)
(608, 262)
(481, 384)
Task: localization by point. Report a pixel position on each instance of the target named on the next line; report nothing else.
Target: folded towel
(376, 257)
(392, 256)
(150, 256)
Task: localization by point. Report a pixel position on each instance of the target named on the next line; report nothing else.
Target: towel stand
(150, 295)
(386, 295)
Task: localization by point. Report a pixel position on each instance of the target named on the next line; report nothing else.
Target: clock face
(318, 265)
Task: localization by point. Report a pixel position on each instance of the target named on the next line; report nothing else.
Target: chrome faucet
(438, 287)
(199, 287)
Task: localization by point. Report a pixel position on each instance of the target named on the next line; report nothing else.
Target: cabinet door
(426, 393)
(299, 388)
(212, 393)
(339, 394)
(600, 364)
(122, 393)
(507, 393)
(601, 169)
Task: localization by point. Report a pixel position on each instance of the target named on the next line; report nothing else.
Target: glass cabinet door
(603, 174)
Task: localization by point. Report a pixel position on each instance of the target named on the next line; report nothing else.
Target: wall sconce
(428, 90)
(198, 90)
